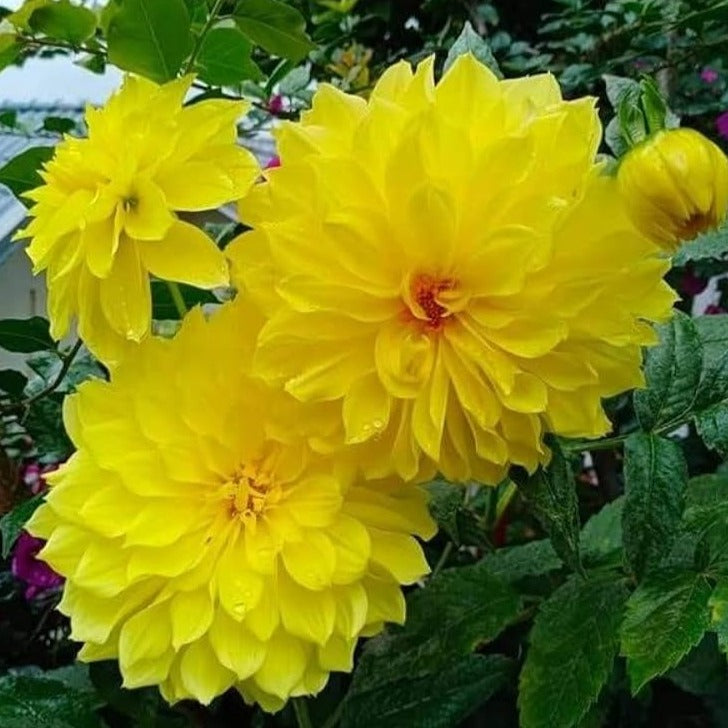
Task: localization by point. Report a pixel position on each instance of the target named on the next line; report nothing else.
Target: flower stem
(200, 38)
(300, 708)
(177, 298)
(443, 558)
(333, 720)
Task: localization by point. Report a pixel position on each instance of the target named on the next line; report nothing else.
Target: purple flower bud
(709, 75)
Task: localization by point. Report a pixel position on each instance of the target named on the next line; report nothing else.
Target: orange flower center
(426, 300)
(694, 225)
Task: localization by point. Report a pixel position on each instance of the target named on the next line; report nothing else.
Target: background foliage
(593, 593)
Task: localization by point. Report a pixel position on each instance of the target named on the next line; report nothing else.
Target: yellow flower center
(249, 493)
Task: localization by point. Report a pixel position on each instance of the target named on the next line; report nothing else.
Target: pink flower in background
(709, 75)
(33, 473)
(721, 124)
(713, 310)
(273, 163)
(37, 575)
(691, 284)
(275, 104)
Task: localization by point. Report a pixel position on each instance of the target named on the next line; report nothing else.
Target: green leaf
(712, 245)
(656, 478)
(573, 643)
(457, 610)
(26, 335)
(551, 493)
(470, 42)
(444, 503)
(619, 88)
(13, 522)
(10, 49)
(712, 425)
(224, 58)
(163, 307)
(666, 616)
(276, 27)
(58, 124)
(44, 424)
(62, 20)
(21, 17)
(602, 533)
(713, 333)
(672, 370)
(20, 174)
(719, 613)
(653, 105)
(149, 38)
(440, 700)
(12, 382)
(60, 698)
(517, 562)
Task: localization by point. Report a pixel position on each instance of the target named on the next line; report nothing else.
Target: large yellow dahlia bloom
(675, 184)
(103, 220)
(449, 266)
(202, 546)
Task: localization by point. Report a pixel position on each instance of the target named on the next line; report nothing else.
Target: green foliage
(62, 698)
(710, 245)
(719, 613)
(64, 21)
(602, 534)
(12, 523)
(550, 493)
(666, 616)
(149, 38)
(163, 306)
(20, 174)
(274, 26)
(224, 58)
(26, 335)
(470, 42)
(655, 479)
(573, 643)
(436, 700)
(12, 382)
(672, 371)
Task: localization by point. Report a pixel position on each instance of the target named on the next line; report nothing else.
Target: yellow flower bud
(675, 185)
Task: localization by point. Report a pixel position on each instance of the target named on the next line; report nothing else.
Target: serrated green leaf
(63, 21)
(444, 503)
(666, 616)
(276, 27)
(602, 533)
(712, 425)
(224, 58)
(54, 699)
(573, 643)
(517, 562)
(20, 174)
(440, 700)
(712, 245)
(457, 610)
(12, 523)
(149, 38)
(656, 476)
(713, 387)
(12, 382)
(719, 613)
(551, 493)
(619, 88)
(470, 42)
(25, 336)
(672, 371)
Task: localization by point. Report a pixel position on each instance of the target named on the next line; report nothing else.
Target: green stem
(335, 717)
(200, 38)
(300, 708)
(505, 500)
(48, 43)
(177, 298)
(67, 361)
(443, 558)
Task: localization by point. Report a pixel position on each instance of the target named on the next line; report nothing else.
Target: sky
(53, 80)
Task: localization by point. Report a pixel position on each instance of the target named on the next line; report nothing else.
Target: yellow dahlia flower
(103, 220)
(449, 267)
(676, 186)
(205, 549)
